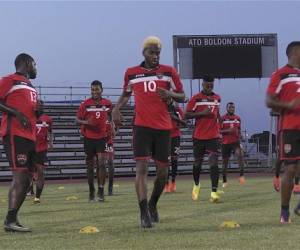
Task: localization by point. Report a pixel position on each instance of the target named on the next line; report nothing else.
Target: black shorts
(94, 146)
(228, 149)
(290, 145)
(20, 153)
(200, 147)
(41, 158)
(149, 142)
(175, 146)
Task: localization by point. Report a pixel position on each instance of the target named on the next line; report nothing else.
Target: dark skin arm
(273, 103)
(116, 114)
(192, 115)
(166, 94)
(177, 119)
(20, 116)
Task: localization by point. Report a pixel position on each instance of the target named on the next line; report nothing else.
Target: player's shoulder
(165, 67)
(106, 101)
(217, 96)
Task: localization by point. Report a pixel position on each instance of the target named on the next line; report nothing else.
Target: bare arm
(167, 94)
(192, 115)
(20, 116)
(273, 103)
(116, 114)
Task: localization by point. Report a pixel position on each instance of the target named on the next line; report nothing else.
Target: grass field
(184, 224)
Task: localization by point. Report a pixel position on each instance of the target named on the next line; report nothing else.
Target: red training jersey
(17, 92)
(232, 122)
(285, 85)
(175, 131)
(206, 127)
(96, 112)
(43, 128)
(150, 110)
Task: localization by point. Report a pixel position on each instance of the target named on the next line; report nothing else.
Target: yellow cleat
(214, 197)
(36, 200)
(196, 191)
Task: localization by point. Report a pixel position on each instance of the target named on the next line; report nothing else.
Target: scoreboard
(225, 56)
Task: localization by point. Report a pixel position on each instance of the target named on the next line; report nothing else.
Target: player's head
(151, 51)
(208, 84)
(40, 107)
(230, 107)
(96, 89)
(26, 65)
(293, 52)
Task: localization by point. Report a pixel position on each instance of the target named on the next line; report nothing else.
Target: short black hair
(291, 46)
(229, 103)
(96, 83)
(208, 78)
(22, 58)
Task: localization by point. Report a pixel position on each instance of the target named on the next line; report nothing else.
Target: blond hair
(150, 41)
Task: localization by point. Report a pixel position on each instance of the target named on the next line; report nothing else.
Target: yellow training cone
(72, 198)
(61, 188)
(230, 224)
(89, 230)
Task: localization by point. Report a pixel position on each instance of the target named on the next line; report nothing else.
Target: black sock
(143, 206)
(11, 215)
(100, 190)
(157, 190)
(91, 188)
(242, 170)
(214, 176)
(110, 182)
(285, 207)
(224, 177)
(174, 169)
(39, 192)
(196, 173)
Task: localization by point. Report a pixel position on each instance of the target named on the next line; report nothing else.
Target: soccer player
(204, 107)
(177, 120)
(44, 137)
(109, 149)
(151, 84)
(283, 94)
(18, 102)
(92, 116)
(231, 135)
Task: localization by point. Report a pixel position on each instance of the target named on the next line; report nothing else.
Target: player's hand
(164, 94)
(294, 103)
(116, 117)
(23, 120)
(206, 111)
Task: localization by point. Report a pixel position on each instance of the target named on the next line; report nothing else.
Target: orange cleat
(172, 187)
(242, 180)
(276, 183)
(167, 188)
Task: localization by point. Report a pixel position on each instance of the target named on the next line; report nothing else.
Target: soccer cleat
(276, 183)
(110, 190)
(195, 192)
(167, 188)
(36, 200)
(153, 214)
(285, 217)
(296, 189)
(101, 196)
(242, 180)
(214, 197)
(15, 227)
(146, 221)
(225, 185)
(92, 197)
(172, 187)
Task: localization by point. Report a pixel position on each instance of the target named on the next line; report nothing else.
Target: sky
(75, 42)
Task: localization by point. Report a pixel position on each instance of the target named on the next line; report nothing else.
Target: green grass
(184, 224)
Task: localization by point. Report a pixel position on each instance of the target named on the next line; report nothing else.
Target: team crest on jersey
(21, 159)
(287, 148)
(159, 75)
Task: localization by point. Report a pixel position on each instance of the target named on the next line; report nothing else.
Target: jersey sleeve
(273, 85)
(176, 84)
(191, 105)
(126, 86)
(5, 86)
(80, 112)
